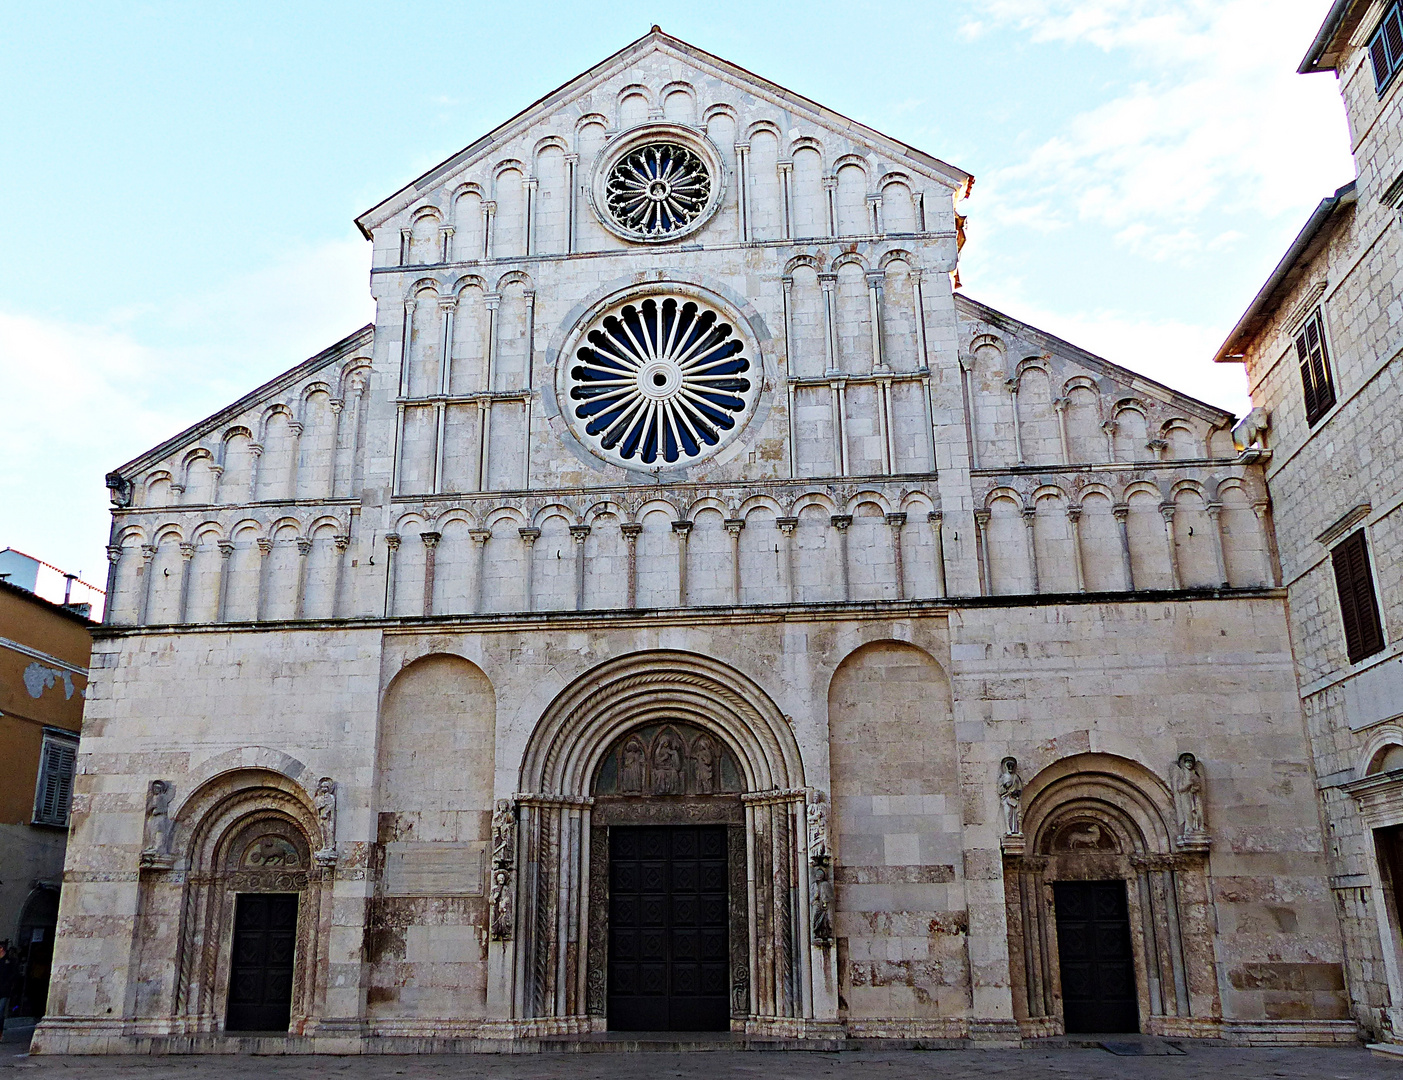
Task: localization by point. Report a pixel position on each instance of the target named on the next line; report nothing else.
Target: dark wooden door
(1098, 968)
(260, 976)
(668, 936)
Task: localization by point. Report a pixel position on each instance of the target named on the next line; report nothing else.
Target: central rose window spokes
(657, 189)
(660, 381)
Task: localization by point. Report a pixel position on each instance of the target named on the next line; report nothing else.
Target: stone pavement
(1198, 1062)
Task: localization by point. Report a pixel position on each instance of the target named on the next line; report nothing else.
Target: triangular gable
(973, 309)
(656, 40)
(360, 341)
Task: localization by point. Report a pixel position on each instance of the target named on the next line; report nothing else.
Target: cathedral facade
(684, 609)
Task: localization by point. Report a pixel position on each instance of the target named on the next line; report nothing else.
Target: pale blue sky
(181, 179)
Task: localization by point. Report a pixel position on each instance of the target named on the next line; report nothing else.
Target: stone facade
(1339, 475)
(423, 623)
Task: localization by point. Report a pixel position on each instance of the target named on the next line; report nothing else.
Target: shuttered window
(1314, 356)
(1386, 48)
(54, 792)
(1359, 607)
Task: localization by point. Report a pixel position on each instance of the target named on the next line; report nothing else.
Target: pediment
(633, 86)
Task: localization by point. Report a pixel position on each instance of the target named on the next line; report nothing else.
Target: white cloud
(1217, 122)
(80, 400)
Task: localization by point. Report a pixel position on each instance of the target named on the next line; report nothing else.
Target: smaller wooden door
(1098, 967)
(260, 975)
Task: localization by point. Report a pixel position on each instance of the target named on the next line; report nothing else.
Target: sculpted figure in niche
(667, 764)
(504, 834)
(502, 896)
(821, 902)
(631, 767)
(1011, 797)
(158, 818)
(704, 765)
(325, 803)
(1188, 793)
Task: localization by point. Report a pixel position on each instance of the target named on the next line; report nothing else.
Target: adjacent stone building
(1323, 345)
(683, 609)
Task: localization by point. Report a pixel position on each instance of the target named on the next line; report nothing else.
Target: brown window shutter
(1307, 379)
(1359, 607)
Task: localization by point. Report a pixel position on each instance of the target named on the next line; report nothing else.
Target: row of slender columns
(785, 171)
(682, 529)
(188, 550)
(1121, 513)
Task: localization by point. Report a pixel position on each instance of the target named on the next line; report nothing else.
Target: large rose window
(657, 189)
(660, 381)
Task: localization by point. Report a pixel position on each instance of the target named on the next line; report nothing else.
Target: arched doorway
(1102, 904)
(634, 762)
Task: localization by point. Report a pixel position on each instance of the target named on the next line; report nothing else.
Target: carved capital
(529, 535)
(430, 539)
(295, 427)
(226, 548)
(1166, 511)
(579, 533)
(480, 536)
(256, 449)
(265, 546)
(187, 550)
(734, 525)
(447, 304)
(114, 553)
(1030, 516)
(304, 546)
(682, 528)
(1121, 512)
(841, 521)
(896, 521)
(631, 531)
(342, 541)
(981, 518)
(935, 517)
(787, 525)
(1074, 512)
(392, 539)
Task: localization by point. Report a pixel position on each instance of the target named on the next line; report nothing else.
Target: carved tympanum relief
(669, 759)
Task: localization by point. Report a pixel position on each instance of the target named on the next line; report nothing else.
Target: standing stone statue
(667, 765)
(704, 762)
(631, 767)
(821, 901)
(1011, 797)
(1188, 793)
(502, 904)
(504, 834)
(158, 818)
(325, 803)
(818, 830)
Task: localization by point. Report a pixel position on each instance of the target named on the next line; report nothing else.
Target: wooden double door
(668, 928)
(1098, 965)
(261, 966)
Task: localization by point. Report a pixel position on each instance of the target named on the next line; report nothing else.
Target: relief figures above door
(669, 759)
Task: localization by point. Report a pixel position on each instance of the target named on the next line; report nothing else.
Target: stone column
(529, 536)
(875, 279)
(631, 531)
(981, 540)
(1078, 555)
(1061, 406)
(391, 556)
(338, 407)
(786, 188)
(937, 520)
(791, 363)
(529, 187)
(530, 297)
(579, 534)
(489, 213)
(1109, 427)
(431, 540)
(786, 526)
(406, 240)
(256, 456)
(743, 189)
(841, 523)
(971, 416)
(1011, 385)
(409, 305)
(480, 538)
(734, 526)
(1215, 511)
(343, 543)
(683, 530)
(304, 549)
(265, 549)
(874, 212)
(1166, 511)
(842, 388)
(896, 521)
(448, 307)
(295, 427)
(226, 552)
(886, 425)
(1030, 522)
(830, 198)
(1122, 515)
(836, 410)
(187, 552)
(572, 164)
(1271, 557)
(829, 284)
(445, 243)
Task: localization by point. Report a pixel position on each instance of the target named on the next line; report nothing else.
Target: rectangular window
(1386, 48)
(1314, 355)
(1359, 607)
(54, 791)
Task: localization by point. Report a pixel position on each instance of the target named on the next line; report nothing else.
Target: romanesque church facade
(684, 609)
